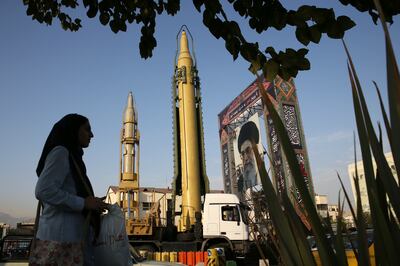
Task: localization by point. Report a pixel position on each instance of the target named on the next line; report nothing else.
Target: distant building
(25, 228)
(22, 229)
(321, 202)
(348, 219)
(363, 186)
(148, 197)
(4, 228)
(326, 210)
(333, 211)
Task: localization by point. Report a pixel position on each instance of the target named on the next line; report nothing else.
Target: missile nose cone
(184, 42)
(130, 100)
(184, 46)
(129, 114)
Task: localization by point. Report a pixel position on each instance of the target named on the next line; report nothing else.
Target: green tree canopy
(311, 22)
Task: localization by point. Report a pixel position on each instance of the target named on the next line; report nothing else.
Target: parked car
(350, 242)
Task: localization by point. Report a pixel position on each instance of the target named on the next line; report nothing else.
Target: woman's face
(84, 135)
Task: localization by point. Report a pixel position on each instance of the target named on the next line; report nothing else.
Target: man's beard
(249, 174)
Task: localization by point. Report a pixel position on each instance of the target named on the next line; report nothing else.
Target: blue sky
(46, 73)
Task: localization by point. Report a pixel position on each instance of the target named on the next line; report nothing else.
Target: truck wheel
(144, 250)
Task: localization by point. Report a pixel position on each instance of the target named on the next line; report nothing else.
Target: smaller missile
(130, 112)
(129, 160)
(128, 136)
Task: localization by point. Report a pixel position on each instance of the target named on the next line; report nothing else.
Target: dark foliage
(311, 23)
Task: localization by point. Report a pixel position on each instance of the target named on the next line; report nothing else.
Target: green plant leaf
(104, 18)
(287, 246)
(386, 175)
(393, 83)
(303, 64)
(197, 4)
(389, 181)
(92, 12)
(302, 35)
(270, 69)
(302, 52)
(385, 118)
(339, 246)
(347, 198)
(305, 12)
(300, 237)
(324, 249)
(345, 22)
(233, 46)
(363, 258)
(335, 31)
(315, 33)
(381, 227)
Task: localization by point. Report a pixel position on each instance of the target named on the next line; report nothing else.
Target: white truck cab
(222, 216)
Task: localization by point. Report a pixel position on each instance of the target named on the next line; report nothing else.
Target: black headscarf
(65, 133)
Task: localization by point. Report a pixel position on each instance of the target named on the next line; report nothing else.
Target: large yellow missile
(188, 137)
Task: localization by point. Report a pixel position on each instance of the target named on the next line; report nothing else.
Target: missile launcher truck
(196, 220)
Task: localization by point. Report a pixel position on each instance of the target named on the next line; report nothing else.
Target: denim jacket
(61, 219)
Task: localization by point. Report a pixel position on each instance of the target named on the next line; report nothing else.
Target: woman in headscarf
(71, 213)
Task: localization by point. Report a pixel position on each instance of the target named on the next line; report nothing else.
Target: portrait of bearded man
(248, 134)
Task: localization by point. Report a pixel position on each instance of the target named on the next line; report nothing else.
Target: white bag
(112, 246)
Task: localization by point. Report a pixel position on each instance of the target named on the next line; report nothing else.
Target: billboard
(245, 100)
(245, 109)
(276, 157)
(239, 125)
(247, 171)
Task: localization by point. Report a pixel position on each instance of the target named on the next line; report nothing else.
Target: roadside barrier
(189, 258)
(213, 257)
